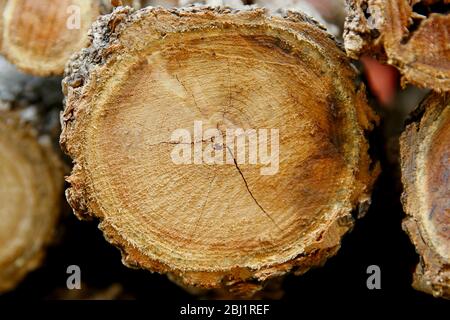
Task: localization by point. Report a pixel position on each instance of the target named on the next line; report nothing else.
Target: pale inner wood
(15, 203)
(204, 217)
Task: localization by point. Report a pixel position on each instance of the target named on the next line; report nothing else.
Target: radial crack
(176, 143)
(190, 93)
(250, 192)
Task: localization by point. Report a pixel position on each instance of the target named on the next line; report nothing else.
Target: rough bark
(425, 176)
(216, 225)
(235, 4)
(411, 35)
(40, 36)
(276, 7)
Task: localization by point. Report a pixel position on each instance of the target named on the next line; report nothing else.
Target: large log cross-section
(151, 72)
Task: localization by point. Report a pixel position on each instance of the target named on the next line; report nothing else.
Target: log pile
(157, 102)
(414, 37)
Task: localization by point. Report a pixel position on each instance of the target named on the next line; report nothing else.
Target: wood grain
(425, 174)
(152, 71)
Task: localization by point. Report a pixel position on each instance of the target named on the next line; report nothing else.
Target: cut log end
(411, 35)
(425, 173)
(40, 36)
(153, 71)
(30, 195)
